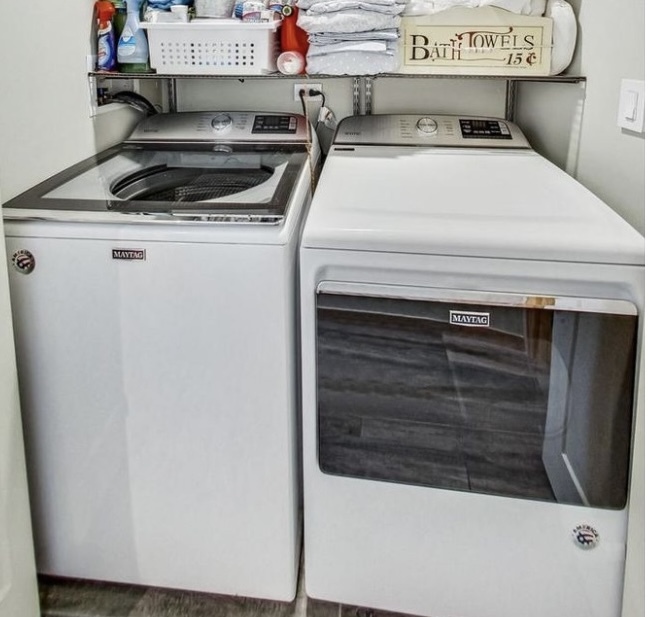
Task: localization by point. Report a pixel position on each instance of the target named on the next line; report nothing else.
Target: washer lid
(247, 184)
(466, 202)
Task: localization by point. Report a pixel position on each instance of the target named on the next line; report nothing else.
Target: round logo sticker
(585, 536)
(23, 261)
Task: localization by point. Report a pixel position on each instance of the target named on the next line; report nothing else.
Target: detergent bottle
(106, 60)
(292, 37)
(294, 43)
(119, 20)
(132, 48)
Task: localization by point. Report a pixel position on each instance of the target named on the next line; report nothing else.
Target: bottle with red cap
(294, 43)
(106, 50)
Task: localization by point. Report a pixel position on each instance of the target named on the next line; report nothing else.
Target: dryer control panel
(429, 131)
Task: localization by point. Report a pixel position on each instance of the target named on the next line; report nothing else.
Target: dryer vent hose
(135, 100)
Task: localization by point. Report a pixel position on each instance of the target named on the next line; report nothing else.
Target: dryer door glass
(503, 398)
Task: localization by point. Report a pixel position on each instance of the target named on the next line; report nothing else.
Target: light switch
(630, 113)
(631, 105)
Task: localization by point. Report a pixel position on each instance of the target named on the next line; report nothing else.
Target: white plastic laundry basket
(214, 47)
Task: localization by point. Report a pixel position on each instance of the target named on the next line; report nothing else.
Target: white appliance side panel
(435, 552)
(159, 403)
(18, 588)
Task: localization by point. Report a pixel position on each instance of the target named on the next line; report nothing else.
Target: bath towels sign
(481, 41)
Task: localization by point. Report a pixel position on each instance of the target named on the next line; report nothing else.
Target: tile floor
(77, 598)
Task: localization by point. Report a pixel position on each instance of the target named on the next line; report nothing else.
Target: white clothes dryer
(470, 325)
(153, 294)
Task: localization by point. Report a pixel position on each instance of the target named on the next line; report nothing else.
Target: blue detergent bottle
(132, 48)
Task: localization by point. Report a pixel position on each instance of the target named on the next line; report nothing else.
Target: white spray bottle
(132, 48)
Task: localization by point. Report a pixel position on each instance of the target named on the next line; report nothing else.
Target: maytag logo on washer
(129, 254)
(585, 536)
(469, 318)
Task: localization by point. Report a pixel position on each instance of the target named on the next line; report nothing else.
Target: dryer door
(507, 395)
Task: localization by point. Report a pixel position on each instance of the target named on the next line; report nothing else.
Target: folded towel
(331, 38)
(352, 63)
(354, 20)
(307, 4)
(351, 46)
(443, 5)
(320, 8)
(429, 7)
(522, 7)
(167, 4)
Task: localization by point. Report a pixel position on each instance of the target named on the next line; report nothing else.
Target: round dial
(426, 126)
(221, 122)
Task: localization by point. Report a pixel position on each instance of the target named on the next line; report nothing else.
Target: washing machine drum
(187, 184)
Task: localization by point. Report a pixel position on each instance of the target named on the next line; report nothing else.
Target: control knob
(426, 126)
(221, 122)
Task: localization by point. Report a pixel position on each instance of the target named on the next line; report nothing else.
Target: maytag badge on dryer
(469, 318)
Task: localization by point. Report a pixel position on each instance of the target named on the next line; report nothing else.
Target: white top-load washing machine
(153, 293)
(470, 322)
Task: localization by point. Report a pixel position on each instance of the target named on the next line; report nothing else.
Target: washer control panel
(274, 124)
(229, 126)
(429, 130)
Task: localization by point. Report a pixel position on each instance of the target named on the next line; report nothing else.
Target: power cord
(314, 92)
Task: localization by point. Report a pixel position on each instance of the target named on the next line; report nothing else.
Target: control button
(426, 126)
(221, 122)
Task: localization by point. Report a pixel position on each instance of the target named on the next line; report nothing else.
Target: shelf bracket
(369, 87)
(92, 94)
(356, 96)
(172, 95)
(510, 100)
(362, 90)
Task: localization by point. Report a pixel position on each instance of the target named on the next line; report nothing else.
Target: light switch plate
(630, 114)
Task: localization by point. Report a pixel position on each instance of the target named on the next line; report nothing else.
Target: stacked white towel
(351, 37)
(429, 7)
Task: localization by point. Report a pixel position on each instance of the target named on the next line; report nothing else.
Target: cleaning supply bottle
(132, 48)
(119, 19)
(292, 37)
(106, 60)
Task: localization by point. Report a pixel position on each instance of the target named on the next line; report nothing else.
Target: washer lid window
(222, 183)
